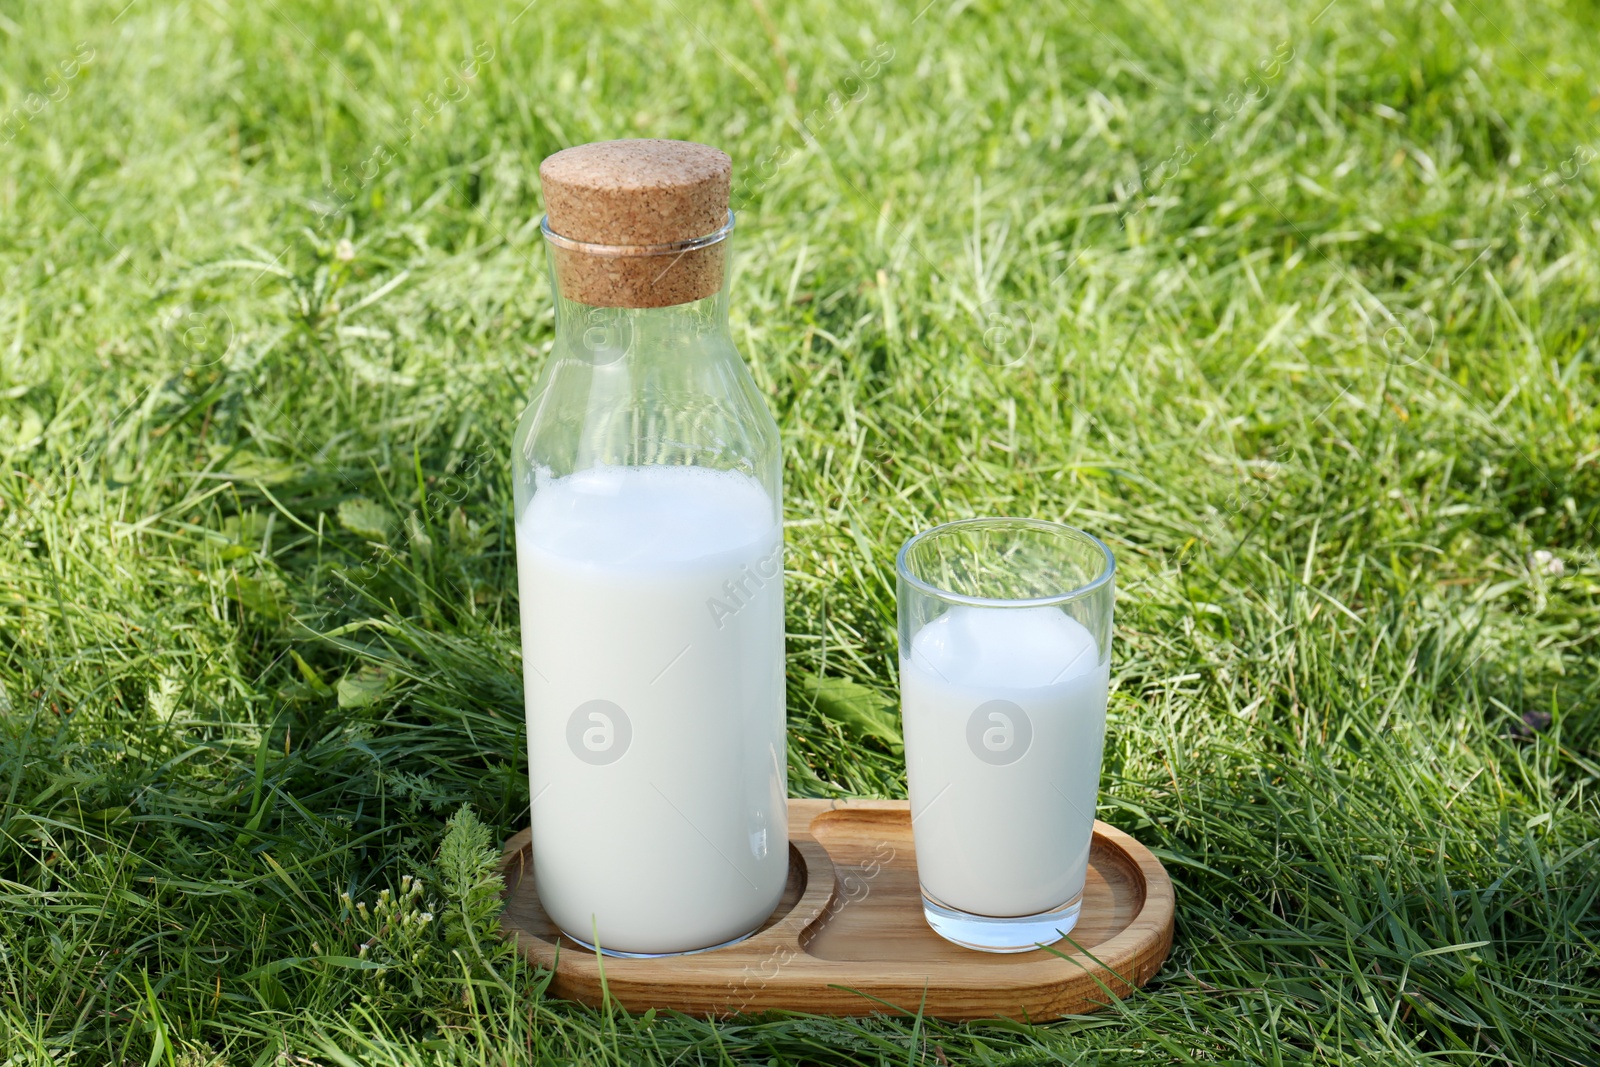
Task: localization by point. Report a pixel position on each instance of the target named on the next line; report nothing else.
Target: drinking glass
(1005, 659)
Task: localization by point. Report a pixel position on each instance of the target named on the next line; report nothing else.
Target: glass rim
(1076, 593)
(671, 248)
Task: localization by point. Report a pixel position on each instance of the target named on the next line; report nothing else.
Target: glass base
(1003, 933)
(619, 954)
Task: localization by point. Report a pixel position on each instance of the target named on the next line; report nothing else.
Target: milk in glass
(1004, 713)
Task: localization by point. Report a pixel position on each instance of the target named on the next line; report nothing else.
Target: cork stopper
(638, 198)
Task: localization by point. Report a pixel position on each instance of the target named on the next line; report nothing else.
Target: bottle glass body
(650, 566)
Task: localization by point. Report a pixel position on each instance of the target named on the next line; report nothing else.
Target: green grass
(1297, 308)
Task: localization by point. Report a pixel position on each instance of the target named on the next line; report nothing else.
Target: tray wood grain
(848, 937)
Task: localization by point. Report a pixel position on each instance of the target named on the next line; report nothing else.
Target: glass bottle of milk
(650, 566)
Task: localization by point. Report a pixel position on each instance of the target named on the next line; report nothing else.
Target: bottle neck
(610, 305)
(615, 331)
(611, 298)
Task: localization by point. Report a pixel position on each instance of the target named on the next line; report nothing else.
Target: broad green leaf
(260, 595)
(263, 469)
(367, 518)
(364, 688)
(860, 709)
(109, 816)
(22, 434)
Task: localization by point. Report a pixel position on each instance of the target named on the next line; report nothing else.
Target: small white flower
(1547, 563)
(344, 251)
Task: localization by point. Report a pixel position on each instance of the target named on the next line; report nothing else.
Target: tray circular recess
(848, 936)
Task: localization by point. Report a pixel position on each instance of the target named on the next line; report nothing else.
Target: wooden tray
(848, 937)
